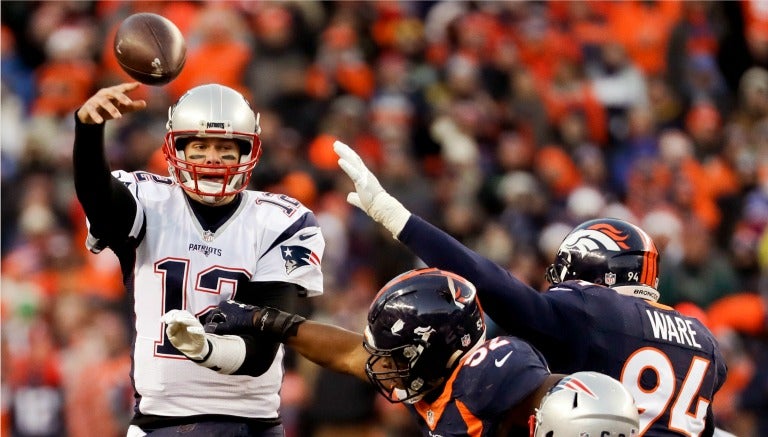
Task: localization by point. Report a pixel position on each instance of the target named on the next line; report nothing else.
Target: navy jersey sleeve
(107, 203)
(555, 321)
(498, 376)
(512, 304)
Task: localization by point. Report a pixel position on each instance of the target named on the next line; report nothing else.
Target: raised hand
(369, 195)
(110, 103)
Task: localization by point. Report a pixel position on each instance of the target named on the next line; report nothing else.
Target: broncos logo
(599, 236)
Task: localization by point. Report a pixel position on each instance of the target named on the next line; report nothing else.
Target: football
(150, 48)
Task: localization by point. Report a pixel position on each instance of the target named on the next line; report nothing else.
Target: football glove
(224, 354)
(241, 319)
(369, 195)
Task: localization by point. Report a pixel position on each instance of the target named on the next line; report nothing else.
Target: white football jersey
(178, 265)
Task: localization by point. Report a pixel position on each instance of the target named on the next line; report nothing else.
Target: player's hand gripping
(240, 319)
(369, 195)
(110, 103)
(224, 354)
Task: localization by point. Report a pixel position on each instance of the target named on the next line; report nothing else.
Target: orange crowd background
(504, 123)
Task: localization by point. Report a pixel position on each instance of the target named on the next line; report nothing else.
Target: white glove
(186, 334)
(222, 353)
(369, 195)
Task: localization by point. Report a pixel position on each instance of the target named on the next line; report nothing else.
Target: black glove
(235, 318)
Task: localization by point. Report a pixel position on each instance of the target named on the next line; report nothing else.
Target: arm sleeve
(259, 352)
(513, 305)
(275, 294)
(107, 203)
(259, 355)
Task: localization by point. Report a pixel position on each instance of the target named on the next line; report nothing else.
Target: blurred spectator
(702, 274)
(643, 28)
(16, 75)
(689, 189)
(633, 158)
(219, 49)
(97, 386)
(755, 31)
(692, 53)
(618, 85)
(527, 107)
(68, 74)
(36, 386)
(555, 168)
(524, 206)
(703, 123)
(569, 90)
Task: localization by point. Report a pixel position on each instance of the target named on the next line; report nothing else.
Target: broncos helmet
(588, 404)
(420, 325)
(212, 111)
(609, 252)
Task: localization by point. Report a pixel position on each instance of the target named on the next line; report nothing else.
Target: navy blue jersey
(670, 363)
(495, 378)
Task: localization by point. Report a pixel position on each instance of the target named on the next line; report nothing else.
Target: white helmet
(586, 404)
(212, 111)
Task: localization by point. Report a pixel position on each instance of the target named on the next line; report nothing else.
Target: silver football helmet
(586, 404)
(212, 111)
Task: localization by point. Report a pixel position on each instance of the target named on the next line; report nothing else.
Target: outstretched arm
(507, 300)
(331, 347)
(327, 345)
(108, 204)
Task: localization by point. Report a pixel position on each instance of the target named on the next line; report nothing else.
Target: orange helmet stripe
(616, 235)
(649, 271)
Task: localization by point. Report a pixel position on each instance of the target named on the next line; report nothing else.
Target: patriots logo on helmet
(574, 384)
(298, 256)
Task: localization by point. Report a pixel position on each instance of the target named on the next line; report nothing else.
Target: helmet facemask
(390, 372)
(558, 271)
(212, 111)
(420, 326)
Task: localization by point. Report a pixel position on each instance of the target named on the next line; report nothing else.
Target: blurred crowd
(504, 123)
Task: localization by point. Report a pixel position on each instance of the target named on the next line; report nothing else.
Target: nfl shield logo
(465, 340)
(610, 279)
(207, 236)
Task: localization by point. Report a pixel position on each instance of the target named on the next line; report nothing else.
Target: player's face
(388, 373)
(212, 151)
(212, 155)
